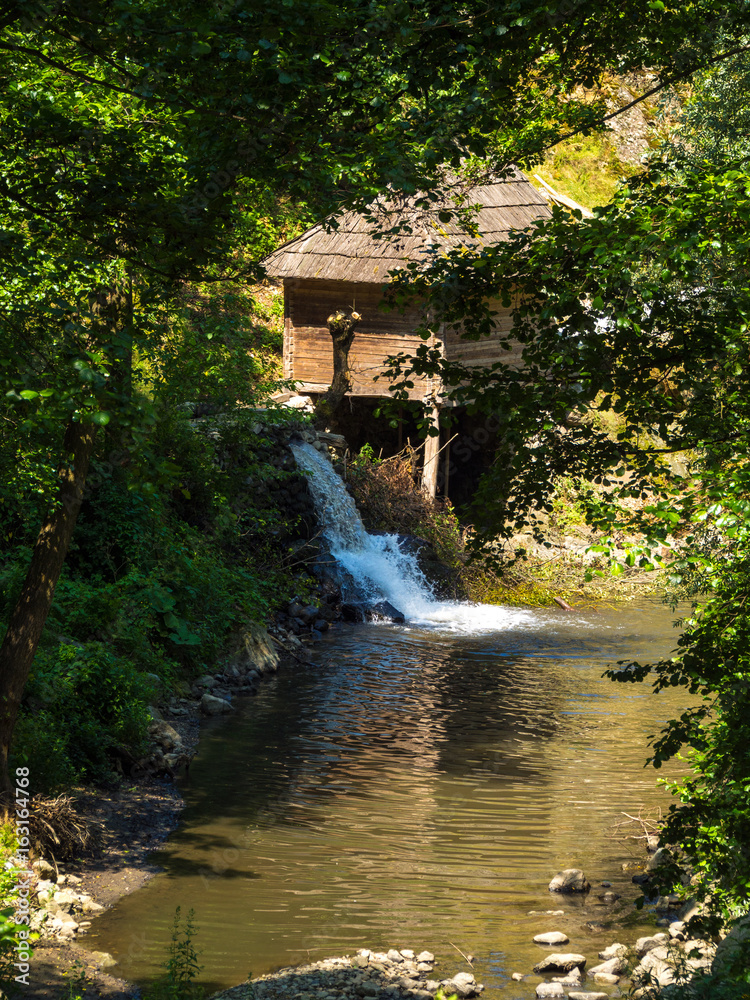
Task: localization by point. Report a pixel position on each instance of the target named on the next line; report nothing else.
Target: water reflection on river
(416, 787)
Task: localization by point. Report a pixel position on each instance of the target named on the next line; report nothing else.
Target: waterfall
(379, 567)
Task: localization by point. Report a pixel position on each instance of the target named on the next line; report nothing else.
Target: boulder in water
(355, 611)
(552, 937)
(565, 962)
(570, 880)
(214, 706)
(549, 990)
(384, 609)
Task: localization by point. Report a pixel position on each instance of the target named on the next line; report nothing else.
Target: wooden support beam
(431, 451)
(447, 477)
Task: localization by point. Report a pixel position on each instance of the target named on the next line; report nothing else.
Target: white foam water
(381, 569)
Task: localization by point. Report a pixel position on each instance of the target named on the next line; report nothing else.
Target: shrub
(85, 707)
(389, 500)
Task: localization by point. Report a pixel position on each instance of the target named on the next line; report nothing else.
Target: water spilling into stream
(379, 565)
(417, 786)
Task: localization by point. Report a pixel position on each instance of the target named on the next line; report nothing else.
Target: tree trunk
(30, 613)
(341, 327)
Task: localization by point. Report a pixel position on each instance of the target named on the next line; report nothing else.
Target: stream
(417, 786)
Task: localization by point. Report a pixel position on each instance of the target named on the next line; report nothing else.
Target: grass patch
(586, 169)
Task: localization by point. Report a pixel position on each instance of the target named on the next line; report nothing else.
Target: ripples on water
(418, 786)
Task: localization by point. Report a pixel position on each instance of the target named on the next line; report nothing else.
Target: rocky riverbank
(368, 975)
(133, 820)
(641, 969)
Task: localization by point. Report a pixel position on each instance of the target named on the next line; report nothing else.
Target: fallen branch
(469, 958)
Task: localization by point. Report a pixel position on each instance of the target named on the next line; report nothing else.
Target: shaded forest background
(152, 155)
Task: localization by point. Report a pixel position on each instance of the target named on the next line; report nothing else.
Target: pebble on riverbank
(368, 974)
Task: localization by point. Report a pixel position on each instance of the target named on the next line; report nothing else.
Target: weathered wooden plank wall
(486, 351)
(307, 342)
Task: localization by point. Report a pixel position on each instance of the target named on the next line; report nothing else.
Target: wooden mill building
(327, 269)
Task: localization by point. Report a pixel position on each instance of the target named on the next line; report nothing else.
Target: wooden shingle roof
(351, 252)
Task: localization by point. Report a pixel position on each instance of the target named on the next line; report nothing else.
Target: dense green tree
(641, 312)
(125, 127)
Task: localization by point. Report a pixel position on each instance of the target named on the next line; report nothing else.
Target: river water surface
(418, 786)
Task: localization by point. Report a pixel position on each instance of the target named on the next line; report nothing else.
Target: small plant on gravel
(76, 980)
(182, 965)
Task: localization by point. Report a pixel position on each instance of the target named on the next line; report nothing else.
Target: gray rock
(165, 736)
(702, 952)
(549, 990)
(659, 857)
(582, 995)
(45, 869)
(64, 925)
(463, 984)
(408, 953)
(671, 902)
(87, 905)
(570, 880)
(617, 966)
(65, 900)
(68, 880)
(214, 706)
(395, 956)
(572, 978)
(614, 951)
(606, 977)
(102, 958)
(562, 962)
(689, 909)
(552, 937)
(254, 649)
(646, 944)
(731, 947)
(384, 609)
(464, 979)
(518, 977)
(656, 968)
